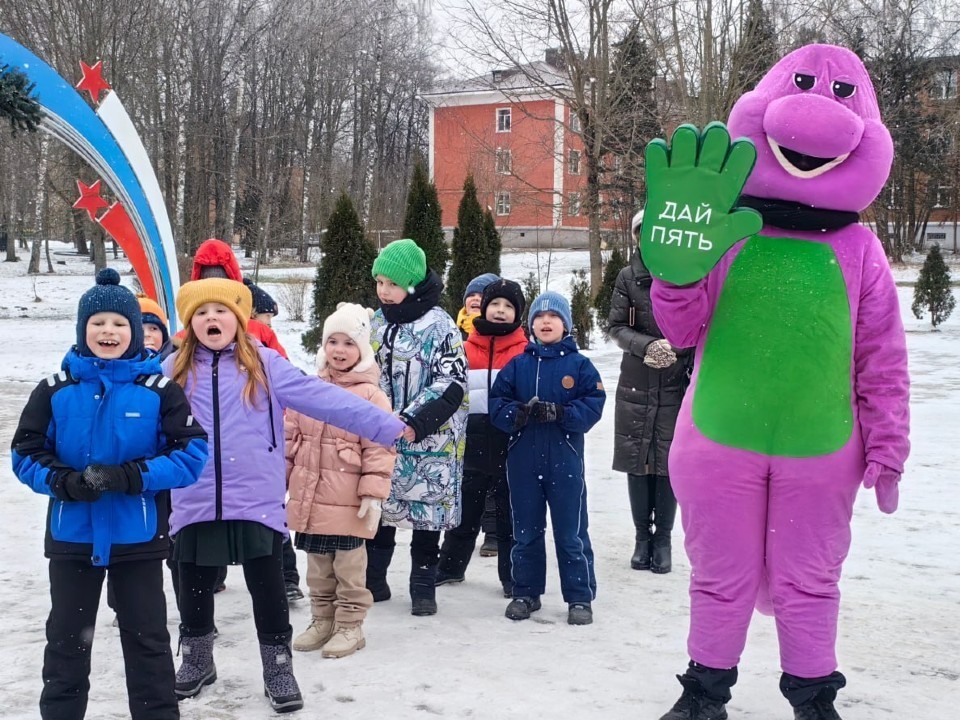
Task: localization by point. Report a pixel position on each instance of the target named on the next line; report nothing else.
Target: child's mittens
(75, 487)
(887, 482)
(521, 416)
(124, 478)
(659, 355)
(371, 509)
(544, 412)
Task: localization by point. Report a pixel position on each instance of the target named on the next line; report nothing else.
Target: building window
(944, 86)
(574, 122)
(574, 167)
(573, 204)
(941, 197)
(504, 161)
(503, 119)
(503, 203)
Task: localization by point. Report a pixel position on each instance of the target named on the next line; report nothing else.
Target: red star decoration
(93, 81)
(90, 199)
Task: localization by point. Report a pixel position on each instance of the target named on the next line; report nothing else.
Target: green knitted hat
(403, 262)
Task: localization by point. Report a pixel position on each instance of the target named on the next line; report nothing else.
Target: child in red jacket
(497, 338)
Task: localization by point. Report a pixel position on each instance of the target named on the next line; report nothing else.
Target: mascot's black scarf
(788, 215)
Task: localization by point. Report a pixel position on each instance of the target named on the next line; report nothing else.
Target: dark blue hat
(551, 302)
(262, 302)
(479, 283)
(109, 296)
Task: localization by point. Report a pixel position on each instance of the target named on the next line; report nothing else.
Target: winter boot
(279, 684)
(489, 547)
(520, 608)
(665, 511)
(812, 698)
(378, 560)
(579, 613)
(661, 555)
(640, 488)
(706, 692)
(197, 668)
(315, 636)
(346, 640)
(445, 579)
(640, 560)
(423, 590)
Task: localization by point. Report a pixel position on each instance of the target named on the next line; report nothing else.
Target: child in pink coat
(338, 482)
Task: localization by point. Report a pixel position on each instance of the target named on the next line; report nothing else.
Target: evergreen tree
(580, 310)
(16, 102)
(633, 118)
(494, 247)
(614, 265)
(422, 222)
(756, 52)
(933, 293)
(343, 274)
(470, 256)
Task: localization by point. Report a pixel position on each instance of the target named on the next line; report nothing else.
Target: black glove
(521, 416)
(124, 478)
(546, 412)
(72, 486)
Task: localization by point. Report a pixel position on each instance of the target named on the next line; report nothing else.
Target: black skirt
(223, 542)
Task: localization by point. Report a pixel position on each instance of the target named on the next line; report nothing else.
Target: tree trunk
(34, 267)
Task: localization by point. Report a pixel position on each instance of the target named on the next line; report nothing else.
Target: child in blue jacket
(105, 439)
(547, 399)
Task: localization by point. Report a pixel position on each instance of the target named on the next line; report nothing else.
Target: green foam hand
(689, 221)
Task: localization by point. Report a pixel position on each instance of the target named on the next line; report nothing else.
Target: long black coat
(648, 400)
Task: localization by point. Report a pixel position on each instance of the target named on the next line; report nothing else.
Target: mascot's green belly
(775, 370)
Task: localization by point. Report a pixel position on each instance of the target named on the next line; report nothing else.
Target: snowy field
(899, 635)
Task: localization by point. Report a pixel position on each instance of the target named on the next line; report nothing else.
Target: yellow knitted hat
(235, 295)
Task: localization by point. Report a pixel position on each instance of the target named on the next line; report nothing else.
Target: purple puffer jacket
(245, 475)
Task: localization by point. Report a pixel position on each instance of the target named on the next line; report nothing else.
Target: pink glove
(887, 482)
(371, 509)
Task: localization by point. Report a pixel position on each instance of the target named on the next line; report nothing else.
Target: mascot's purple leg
(750, 518)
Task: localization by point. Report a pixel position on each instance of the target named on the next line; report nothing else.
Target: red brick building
(522, 146)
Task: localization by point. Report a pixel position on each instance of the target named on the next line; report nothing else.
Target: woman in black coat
(653, 378)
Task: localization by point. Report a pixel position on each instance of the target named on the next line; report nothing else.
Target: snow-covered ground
(899, 636)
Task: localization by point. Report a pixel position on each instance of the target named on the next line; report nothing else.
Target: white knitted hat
(353, 321)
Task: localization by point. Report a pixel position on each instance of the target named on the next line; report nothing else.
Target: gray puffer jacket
(648, 400)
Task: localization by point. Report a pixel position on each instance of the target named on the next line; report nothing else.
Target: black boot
(640, 489)
(706, 692)
(378, 560)
(423, 590)
(812, 698)
(279, 684)
(664, 513)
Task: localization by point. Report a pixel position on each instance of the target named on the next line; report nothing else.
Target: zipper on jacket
(273, 431)
(388, 340)
(217, 461)
(487, 433)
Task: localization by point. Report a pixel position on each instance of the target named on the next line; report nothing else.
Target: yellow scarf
(465, 322)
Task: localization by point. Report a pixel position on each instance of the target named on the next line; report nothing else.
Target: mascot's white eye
(804, 82)
(843, 90)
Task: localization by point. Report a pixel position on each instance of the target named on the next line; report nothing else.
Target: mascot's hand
(689, 221)
(887, 482)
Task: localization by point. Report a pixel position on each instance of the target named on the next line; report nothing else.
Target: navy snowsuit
(545, 464)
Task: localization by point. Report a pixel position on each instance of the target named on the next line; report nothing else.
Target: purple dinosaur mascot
(800, 390)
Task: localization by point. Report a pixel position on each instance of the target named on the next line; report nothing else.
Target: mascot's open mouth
(800, 165)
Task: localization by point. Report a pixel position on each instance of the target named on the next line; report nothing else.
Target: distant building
(521, 144)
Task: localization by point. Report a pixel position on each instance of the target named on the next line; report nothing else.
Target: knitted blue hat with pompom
(108, 295)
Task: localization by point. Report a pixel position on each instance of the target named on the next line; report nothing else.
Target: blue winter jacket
(555, 373)
(108, 412)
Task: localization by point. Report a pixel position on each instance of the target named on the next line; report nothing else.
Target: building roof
(531, 77)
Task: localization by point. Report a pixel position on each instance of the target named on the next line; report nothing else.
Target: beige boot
(346, 640)
(318, 632)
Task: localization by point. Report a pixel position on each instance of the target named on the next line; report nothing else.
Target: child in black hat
(104, 439)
